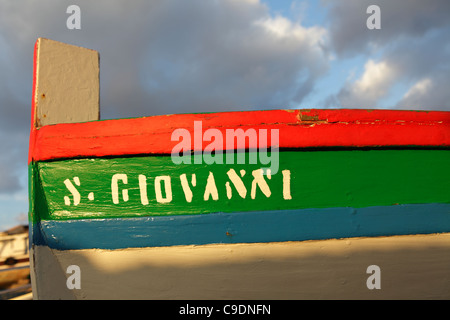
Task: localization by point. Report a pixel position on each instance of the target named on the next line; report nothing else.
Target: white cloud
(287, 29)
(407, 19)
(375, 81)
(411, 46)
(430, 93)
(373, 85)
(418, 89)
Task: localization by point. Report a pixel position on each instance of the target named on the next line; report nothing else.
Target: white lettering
(237, 182)
(286, 184)
(143, 189)
(259, 180)
(211, 188)
(167, 189)
(233, 183)
(75, 194)
(185, 185)
(115, 187)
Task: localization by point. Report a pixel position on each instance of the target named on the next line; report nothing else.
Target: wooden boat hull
(346, 190)
(412, 267)
(145, 248)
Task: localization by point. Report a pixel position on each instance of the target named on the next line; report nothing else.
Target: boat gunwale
(310, 129)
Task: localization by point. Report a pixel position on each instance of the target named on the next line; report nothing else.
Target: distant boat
(306, 204)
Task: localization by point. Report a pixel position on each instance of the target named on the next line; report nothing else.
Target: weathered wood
(154, 185)
(66, 88)
(229, 231)
(262, 226)
(297, 129)
(412, 267)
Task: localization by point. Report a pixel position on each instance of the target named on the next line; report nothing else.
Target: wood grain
(318, 179)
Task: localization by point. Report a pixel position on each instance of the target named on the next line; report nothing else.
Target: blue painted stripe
(244, 227)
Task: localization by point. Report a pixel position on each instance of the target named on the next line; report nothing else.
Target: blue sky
(182, 56)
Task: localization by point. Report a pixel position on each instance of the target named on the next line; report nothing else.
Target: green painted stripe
(318, 179)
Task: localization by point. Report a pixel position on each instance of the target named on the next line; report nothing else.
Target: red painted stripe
(33, 106)
(297, 129)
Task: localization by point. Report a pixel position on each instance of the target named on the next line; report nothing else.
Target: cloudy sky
(182, 56)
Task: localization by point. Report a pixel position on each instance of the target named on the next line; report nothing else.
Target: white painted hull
(411, 267)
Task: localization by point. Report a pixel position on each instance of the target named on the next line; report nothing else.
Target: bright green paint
(318, 179)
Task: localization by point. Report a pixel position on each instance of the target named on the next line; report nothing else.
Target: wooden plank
(66, 84)
(154, 185)
(243, 227)
(65, 90)
(296, 129)
(412, 267)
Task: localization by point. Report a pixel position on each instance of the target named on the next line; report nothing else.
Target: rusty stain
(304, 117)
(228, 234)
(43, 96)
(311, 120)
